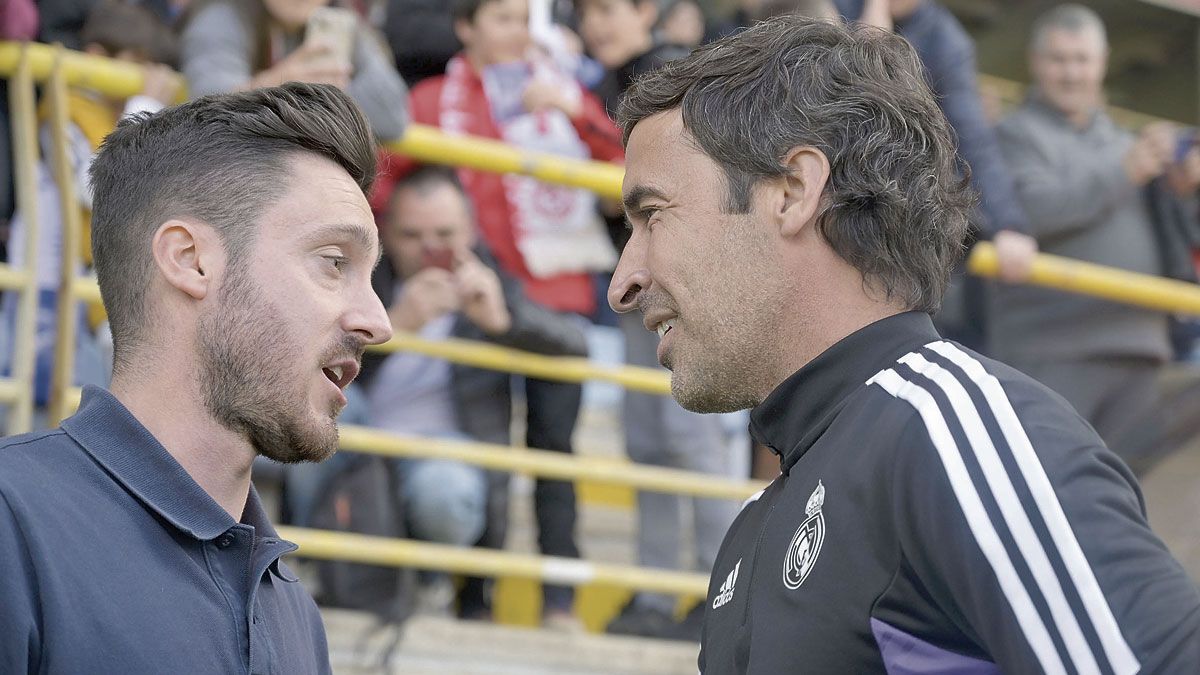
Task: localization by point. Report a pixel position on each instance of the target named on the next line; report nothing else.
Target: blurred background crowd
(517, 262)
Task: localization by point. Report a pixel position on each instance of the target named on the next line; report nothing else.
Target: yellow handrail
(1068, 274)
(428, 144)
(25, 173)
(547, 464)
(72, 240)
(361, 548)
(556, 368)
(12, 278)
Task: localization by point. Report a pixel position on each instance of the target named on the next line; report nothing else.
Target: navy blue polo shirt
(113, 560)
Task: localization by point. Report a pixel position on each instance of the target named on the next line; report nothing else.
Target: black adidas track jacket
(939, 512)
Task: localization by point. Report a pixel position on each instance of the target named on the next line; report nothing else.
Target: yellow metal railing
(1068, 274)
(557, 368)
(72, 239)
(17, 389)
(484, 562)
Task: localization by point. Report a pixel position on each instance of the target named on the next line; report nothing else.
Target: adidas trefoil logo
(726, 593)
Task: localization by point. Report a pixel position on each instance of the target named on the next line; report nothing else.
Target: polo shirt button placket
(225, 540)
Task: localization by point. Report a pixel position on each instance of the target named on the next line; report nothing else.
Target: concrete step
(429, 646)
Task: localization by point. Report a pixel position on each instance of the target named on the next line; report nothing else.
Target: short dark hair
(426, 176)
(118, 25)
(424, 179)
(897, 204)
(222, 159)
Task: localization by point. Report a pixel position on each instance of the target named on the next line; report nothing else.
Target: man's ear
(803, 188)
(186, 254)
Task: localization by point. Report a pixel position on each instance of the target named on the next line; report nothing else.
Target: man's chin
(704, 399)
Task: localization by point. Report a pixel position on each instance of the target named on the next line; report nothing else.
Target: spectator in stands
(682, 23)
(948, 55)
(1082, 179)
(234, 247)
(619, 34)
(547, 237)
(63, 20)
(129, 33)
(231, 45)
(658, 430)
(438, 281)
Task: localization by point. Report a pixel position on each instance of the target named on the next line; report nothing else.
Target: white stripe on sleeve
(1013, 511)
(977, 519)
(1120, 656)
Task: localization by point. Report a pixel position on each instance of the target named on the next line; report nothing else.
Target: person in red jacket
(549, 237)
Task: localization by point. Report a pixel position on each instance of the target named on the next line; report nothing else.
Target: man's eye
(339, 262)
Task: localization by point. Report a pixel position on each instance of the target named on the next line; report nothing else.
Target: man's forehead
(658, 150)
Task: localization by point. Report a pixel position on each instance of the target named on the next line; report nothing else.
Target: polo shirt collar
(791, 419)
(135, 459)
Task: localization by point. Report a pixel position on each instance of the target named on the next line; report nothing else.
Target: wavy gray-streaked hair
(897, 204)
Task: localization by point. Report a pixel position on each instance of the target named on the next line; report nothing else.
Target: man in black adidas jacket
(795, 210)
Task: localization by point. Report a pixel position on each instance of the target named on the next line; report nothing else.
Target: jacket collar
(801, 408)
(135, 459)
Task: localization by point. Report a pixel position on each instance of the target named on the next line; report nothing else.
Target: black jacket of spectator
(1177, 229)
(948, 55)
(421, 36)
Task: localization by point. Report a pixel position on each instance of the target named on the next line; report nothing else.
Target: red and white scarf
(557, 228)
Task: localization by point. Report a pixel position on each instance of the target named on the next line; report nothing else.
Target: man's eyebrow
(639, 193)
(365, 238)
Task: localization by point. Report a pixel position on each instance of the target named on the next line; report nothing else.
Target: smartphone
(335, 27)
(442, 258)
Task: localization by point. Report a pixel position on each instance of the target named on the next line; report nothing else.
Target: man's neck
(218, 459)
(825, 313)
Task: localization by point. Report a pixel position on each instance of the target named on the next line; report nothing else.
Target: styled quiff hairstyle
(897, 204)
(221, 159)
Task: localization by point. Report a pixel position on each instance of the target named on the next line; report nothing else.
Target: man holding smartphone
(438, 281)
(230, 45)
(1095, 192)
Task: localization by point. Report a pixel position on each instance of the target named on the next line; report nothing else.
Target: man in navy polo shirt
(234, 248)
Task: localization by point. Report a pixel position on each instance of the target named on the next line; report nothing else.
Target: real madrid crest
(806, 545)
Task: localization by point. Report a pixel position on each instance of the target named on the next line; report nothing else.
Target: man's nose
(369, 319)
(630, 278)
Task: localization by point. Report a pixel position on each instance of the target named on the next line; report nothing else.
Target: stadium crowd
(517, 262)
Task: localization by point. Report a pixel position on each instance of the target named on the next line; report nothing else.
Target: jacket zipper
(775, 489)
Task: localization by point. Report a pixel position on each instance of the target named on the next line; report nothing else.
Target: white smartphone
(335, 27)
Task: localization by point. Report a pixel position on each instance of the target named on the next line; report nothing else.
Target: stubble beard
(728, 362)
(249, 380)
(724, 373)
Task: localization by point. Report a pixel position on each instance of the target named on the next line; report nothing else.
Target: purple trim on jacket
(904, 654)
